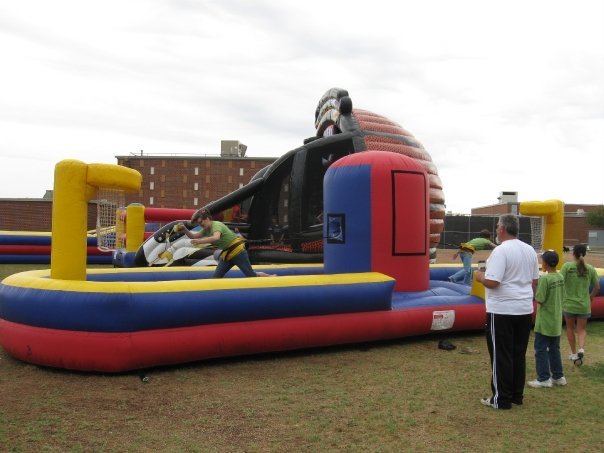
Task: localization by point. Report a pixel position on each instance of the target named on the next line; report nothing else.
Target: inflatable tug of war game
(380, 208)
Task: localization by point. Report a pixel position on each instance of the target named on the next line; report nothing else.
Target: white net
(109, 229)
(537, 231)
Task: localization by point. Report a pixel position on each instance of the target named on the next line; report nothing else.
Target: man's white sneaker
(536, 384)
(486, 402)
(561, 381)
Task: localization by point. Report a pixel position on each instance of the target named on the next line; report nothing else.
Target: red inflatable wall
(400, 223)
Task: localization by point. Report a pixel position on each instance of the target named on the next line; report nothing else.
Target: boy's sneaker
(581, 353)
(536, 384)
(561, 381)
(573, 357)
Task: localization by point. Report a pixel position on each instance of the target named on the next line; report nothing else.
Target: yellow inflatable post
(553, 211)
(120, 228)
(477, 288)
(553, 238)
(76, 183)
(135, 226)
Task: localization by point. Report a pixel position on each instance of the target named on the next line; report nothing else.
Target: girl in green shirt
(578, 278)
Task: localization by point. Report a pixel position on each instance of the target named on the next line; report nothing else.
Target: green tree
(596, 218)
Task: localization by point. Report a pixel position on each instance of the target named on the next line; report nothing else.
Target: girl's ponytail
(579, 252)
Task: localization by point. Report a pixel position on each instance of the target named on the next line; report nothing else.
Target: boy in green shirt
(233, 252)
(548, 324)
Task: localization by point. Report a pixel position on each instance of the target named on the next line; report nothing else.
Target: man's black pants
(507, 341)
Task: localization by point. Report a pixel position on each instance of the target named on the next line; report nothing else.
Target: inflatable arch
(76, 183)
(552, 212)
(123, 319)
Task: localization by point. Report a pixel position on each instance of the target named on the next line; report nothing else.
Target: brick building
(32, 214)
(169, 181)
(189, 182)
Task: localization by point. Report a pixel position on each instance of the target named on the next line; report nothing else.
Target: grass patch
(594, 372)
(404, 395)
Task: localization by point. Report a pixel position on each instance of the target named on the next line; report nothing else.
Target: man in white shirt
(510, 280)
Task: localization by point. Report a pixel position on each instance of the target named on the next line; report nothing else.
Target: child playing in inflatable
(465, 252)
(232, 246)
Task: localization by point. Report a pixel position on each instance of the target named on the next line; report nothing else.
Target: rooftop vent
(232, 148)
(508, 197)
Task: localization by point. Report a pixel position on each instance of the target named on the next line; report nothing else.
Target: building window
(184, 178)
(240, 171)
(150, 201)
(163, 178)
(196, 171)
(151, 185)
(207, 194)
(196, 186)
(163, 163)
(152, 170)
(185, 163)
(195, 201)
(207, 179)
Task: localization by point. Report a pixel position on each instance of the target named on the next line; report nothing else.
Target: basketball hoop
(110, 219)
(537, 231)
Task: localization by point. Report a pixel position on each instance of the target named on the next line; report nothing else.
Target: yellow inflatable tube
(76, 183)
(553, 211)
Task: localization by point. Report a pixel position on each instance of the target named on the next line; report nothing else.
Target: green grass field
(404, 395)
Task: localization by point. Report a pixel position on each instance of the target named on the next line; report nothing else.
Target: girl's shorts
(576, 316)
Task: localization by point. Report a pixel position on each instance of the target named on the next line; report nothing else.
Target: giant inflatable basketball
(336, 115)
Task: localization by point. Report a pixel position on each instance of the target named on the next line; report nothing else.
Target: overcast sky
(505, 96)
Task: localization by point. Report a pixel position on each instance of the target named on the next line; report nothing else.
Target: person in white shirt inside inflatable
(510, 280)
